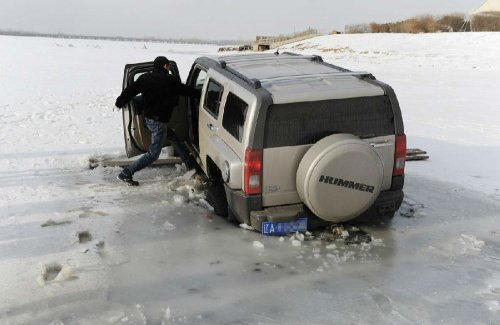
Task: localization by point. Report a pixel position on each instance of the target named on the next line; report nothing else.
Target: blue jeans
(159, 132)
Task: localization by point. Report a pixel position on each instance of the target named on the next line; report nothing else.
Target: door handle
(212, 127)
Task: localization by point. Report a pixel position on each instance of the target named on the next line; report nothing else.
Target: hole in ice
(84, 236)
(51, 271)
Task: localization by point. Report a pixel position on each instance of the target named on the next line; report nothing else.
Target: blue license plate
(283, 228)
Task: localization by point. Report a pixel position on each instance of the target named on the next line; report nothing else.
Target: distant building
(263, 43)
(490, 7)
(486, 17)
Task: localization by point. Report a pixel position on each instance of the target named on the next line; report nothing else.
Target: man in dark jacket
(159, 92)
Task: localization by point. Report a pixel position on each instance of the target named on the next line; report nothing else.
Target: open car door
(136, 134)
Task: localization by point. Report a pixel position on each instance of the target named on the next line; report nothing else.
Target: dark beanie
(160, 62)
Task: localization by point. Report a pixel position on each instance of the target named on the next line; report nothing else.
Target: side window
(235, 113)
(200, 79)
(213, 97)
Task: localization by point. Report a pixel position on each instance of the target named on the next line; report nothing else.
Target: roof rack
(316, 58)
(291, 56)
(255, 83)
(360, 74)
(252, 82)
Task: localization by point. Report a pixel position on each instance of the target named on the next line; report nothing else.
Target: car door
(136, 134)
(209, 125)
(196, 79)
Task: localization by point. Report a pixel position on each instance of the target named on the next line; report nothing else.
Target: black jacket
(159, 93)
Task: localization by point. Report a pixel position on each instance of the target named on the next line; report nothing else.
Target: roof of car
(298, 78)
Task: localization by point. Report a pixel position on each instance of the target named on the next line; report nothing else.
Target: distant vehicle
(287, 137)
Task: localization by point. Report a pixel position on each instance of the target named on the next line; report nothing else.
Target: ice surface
(437, 262)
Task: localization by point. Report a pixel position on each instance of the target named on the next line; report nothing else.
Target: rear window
(295, 124)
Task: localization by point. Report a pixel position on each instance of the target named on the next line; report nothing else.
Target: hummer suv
(284, 137)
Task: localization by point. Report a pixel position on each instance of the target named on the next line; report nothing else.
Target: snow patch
(331, 246)
(460, 246)
(258, 244)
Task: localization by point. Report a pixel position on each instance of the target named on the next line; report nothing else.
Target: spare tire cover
(339, 177)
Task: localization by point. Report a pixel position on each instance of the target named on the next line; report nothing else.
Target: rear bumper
(248, 209)
(385, 206)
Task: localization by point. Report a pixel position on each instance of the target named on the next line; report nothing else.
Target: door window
(200, 79)
(235, 113)
(213, 97)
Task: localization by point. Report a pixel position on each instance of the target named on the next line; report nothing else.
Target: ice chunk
(245, 226)
(206, 205)
(296, 243)
(168, 313)
(191, 193)
(282, 238)
(471, 243)
(180, 168)
(179, 200)
(189, 174)
(116, 318)
(258, 244)
(377, 242)
(57, 322)
(168, 226)
(331, 246)
(297, 236)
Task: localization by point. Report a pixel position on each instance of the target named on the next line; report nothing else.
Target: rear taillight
(399, 155)
(253, 171)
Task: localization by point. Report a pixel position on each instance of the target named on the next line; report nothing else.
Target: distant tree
(486, 23)
(421, 24)
(453, 23)
(357, 29)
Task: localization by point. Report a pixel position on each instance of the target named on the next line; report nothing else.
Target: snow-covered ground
(153, 255)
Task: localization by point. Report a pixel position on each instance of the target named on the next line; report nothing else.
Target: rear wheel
(216, 196)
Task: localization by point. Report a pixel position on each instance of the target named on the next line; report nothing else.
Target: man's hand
(120, 102)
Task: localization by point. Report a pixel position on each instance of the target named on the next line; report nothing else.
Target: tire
(231, 217)
(216, 196)
(339, 177)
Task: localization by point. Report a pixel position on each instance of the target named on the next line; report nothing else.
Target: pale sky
(211, 19)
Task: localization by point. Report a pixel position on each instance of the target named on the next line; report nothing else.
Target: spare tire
(339, 177)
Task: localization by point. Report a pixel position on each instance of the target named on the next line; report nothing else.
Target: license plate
(283, 228)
